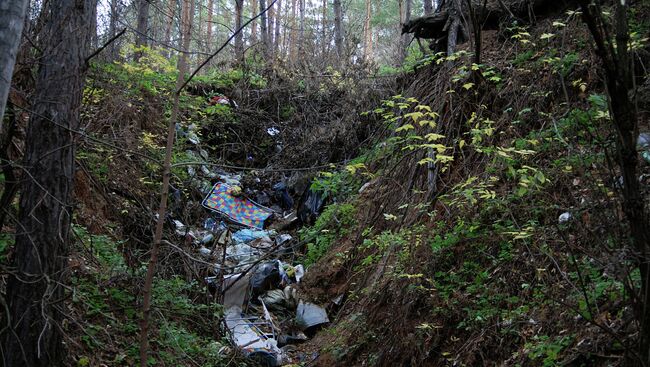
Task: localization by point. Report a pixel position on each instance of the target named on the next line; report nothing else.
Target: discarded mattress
(238, 209)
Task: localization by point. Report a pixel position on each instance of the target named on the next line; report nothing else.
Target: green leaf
(404, 127)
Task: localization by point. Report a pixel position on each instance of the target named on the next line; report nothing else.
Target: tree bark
(428, 7)
(264, 32)
(271, 27)
(112, 30)
(278, 19)
(208, 31)
(35, 288)
(324, 29)
(301, 32)
(618, 68)
(12, 16)
(405, 16)
(171, 12)
(368, 31)
(293, 38)
(254, 8)
(239, 40)
(338, 29)
(143, 26)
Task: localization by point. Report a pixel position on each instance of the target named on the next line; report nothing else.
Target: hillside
(454, 209)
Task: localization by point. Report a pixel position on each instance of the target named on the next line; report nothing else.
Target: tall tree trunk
(94, 39)
(112, 30)
(12, 16)
(271, 27)
(264, 29)
(301, 32)
(324, 29)
(239, 41)
(338, 29)
(368, 31)
(254, 25)
(293, 38)
(171, 13)
(278, 19)
(143, 26)
(619, 77)
(428, 7)
(35, 288)
(405, 16)
(208, 35)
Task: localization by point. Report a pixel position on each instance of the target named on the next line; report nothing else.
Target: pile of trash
(254, 277)
(251, 252)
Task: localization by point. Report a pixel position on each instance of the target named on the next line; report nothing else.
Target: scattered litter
(279, 240)
(254, 336)
(365, 186)
(272, 131)
(293, 338)
(205, 251)
(192, 136)
(281, 299)
(338, 301)
(238, 209)
(309, 316)
(564, 217)
(300, 272)
(207, 238)
(247, 235)
(266, 277)
(311, 204)
(234, 180)
(643, 143)
(210, 224)
(283, 195)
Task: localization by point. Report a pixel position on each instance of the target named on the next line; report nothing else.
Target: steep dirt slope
(518, 254)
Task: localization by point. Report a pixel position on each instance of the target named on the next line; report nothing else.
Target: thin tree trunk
(301, 32)
(186, 27)
(324, 29)
(285, 30)
(12, 15)
(143, 26)
(338, 29)
(254, 8)
(278, 19)
(293, 38)
(271, 27)
(619, 71)
(239, 40)
(171, 10)
(112, 30)
(209, 29)
(94, 39)
(264, 29)
(35, 288)
(368, 32)
(405, 16)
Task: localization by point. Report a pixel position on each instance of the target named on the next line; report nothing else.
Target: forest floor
(516, 256)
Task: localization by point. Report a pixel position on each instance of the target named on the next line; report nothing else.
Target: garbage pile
(254, 276)
(244, 234)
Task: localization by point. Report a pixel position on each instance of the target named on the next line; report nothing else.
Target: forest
(324, 183)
